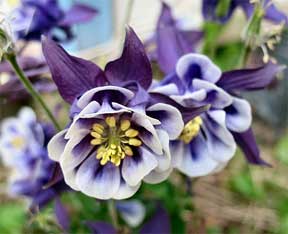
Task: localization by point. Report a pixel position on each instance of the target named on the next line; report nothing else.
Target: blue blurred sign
(96, 32)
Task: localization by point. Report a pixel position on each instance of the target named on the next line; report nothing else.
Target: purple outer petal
(73, 76)
(171, 42)
(247, 143)
(101, 227)
(133, 65)
(159, 223)
(79, 13)
(61, 215)
(273, 14)
(249, 79)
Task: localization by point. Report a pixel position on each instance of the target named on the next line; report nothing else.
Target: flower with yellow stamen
(114, 140)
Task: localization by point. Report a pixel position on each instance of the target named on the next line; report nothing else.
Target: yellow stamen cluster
(114, 140)
(191, 129)
(18, 142)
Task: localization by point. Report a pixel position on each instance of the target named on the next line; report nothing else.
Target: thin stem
(113, 213)
(29, 87)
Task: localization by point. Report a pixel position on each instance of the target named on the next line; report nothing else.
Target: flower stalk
(11, 58)
(252, 32)
(113, 214)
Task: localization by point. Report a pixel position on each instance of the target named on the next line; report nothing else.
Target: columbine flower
(118, 136)
(208, 141)
(170, 41)
(23, 143)
(221, 10)
(36, 17)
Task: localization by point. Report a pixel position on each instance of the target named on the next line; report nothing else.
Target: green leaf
(12, 218)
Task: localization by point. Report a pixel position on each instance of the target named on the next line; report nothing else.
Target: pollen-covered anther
(115, 140)
(191, 130)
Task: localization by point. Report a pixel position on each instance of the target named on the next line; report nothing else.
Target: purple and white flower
(209, 141)
(34, 68)
(23, 142)
(117, 137)
(36, 17)
(132, 212)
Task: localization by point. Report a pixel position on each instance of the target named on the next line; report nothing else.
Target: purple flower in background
(221, 10)
(36, 17)
(118, 136)
(170, 41)
(131, 211)
(208, 141)
(159, 223)
(34, 69)
(23, 143)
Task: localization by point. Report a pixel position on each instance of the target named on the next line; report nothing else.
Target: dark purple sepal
(73, 76)
(159, 223)
(61, 215)
(41, 199)
(133, 65)
(249, 79)
(79, 13)
(99, 227)
(247, 143)
(56, 176)
(171, 42)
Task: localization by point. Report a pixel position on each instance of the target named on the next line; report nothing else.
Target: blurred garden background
(242, 198)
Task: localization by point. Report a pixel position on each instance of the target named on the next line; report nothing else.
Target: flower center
(18, 142)
(191, 130)
(115, 140)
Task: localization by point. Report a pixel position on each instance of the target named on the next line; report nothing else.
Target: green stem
(113, 213)
(29, 87)
(243, 57)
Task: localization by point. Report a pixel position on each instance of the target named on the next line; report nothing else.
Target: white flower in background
(6, 35)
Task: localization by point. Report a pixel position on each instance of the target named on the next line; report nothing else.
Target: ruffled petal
(99, 94)
(238, 115)
(196, 66)
(215, 96)
(57, 145)
(98, 181)
(148, 134)
(164, 167)
(125, 191)
(170, 118)
(220, 141)
(76, 150)
(135, 168)
(196, 158)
